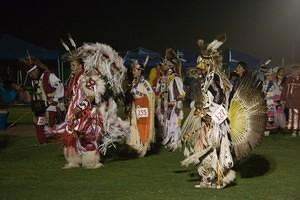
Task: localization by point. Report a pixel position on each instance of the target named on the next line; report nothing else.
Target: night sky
(262, 28)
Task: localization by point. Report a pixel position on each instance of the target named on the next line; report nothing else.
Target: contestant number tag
(142, 112)
(41, 121)
(220, 115)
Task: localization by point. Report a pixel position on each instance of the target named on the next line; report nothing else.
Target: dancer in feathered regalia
(170, 94)
(91, 118)
(214, 127)
(142, 111)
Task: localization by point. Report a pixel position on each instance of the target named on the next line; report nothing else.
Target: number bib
(41, 121)
(219, 115)
(142, 112)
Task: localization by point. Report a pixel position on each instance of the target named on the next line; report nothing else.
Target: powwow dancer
(170, 94)
(290, 98)
(213, 128)
(47, 98)
(142, 111)
(91, 117)
(72, 155)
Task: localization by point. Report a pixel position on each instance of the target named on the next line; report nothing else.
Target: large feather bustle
(115, 130)
(96, 91)
(102, 58)
(247, 119)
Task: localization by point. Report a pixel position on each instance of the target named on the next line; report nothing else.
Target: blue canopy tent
(232, 57)
(140, 54)
(12, 49)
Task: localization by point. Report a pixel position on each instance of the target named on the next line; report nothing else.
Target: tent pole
(58, 68)
(18, 77)
(21, 77)
(62, 71)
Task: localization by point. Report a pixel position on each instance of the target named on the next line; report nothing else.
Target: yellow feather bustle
(247, 119)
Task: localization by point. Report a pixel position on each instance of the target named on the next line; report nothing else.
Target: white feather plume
(72, 41)
(268, 61)
(146, 61)
(65, 45)
(214, 45)
(28, 56)
(180, 56)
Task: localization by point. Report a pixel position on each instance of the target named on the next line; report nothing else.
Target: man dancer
(47, 97)
(170, 101)
(142, 111)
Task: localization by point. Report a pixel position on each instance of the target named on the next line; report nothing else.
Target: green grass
(271, 172)
(21, 114)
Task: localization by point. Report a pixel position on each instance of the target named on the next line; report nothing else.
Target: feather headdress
(211, 49)
(210, 55)
(174, 60)
(140, 64)
(32, 63)
(71, 51)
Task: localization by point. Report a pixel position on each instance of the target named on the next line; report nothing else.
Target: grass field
(271, 172)
(21, 114)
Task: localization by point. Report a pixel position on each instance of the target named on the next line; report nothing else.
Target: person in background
(281, 113)
(241, 69)
(241, 73)
(290, 99)
(169, 108)
(154, 75)
(275, 111)
(233, 77)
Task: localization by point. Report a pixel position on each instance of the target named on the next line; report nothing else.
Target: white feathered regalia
(169, 105)
(106, 64)
(217, 131)
(142, 111)
(92, 124)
